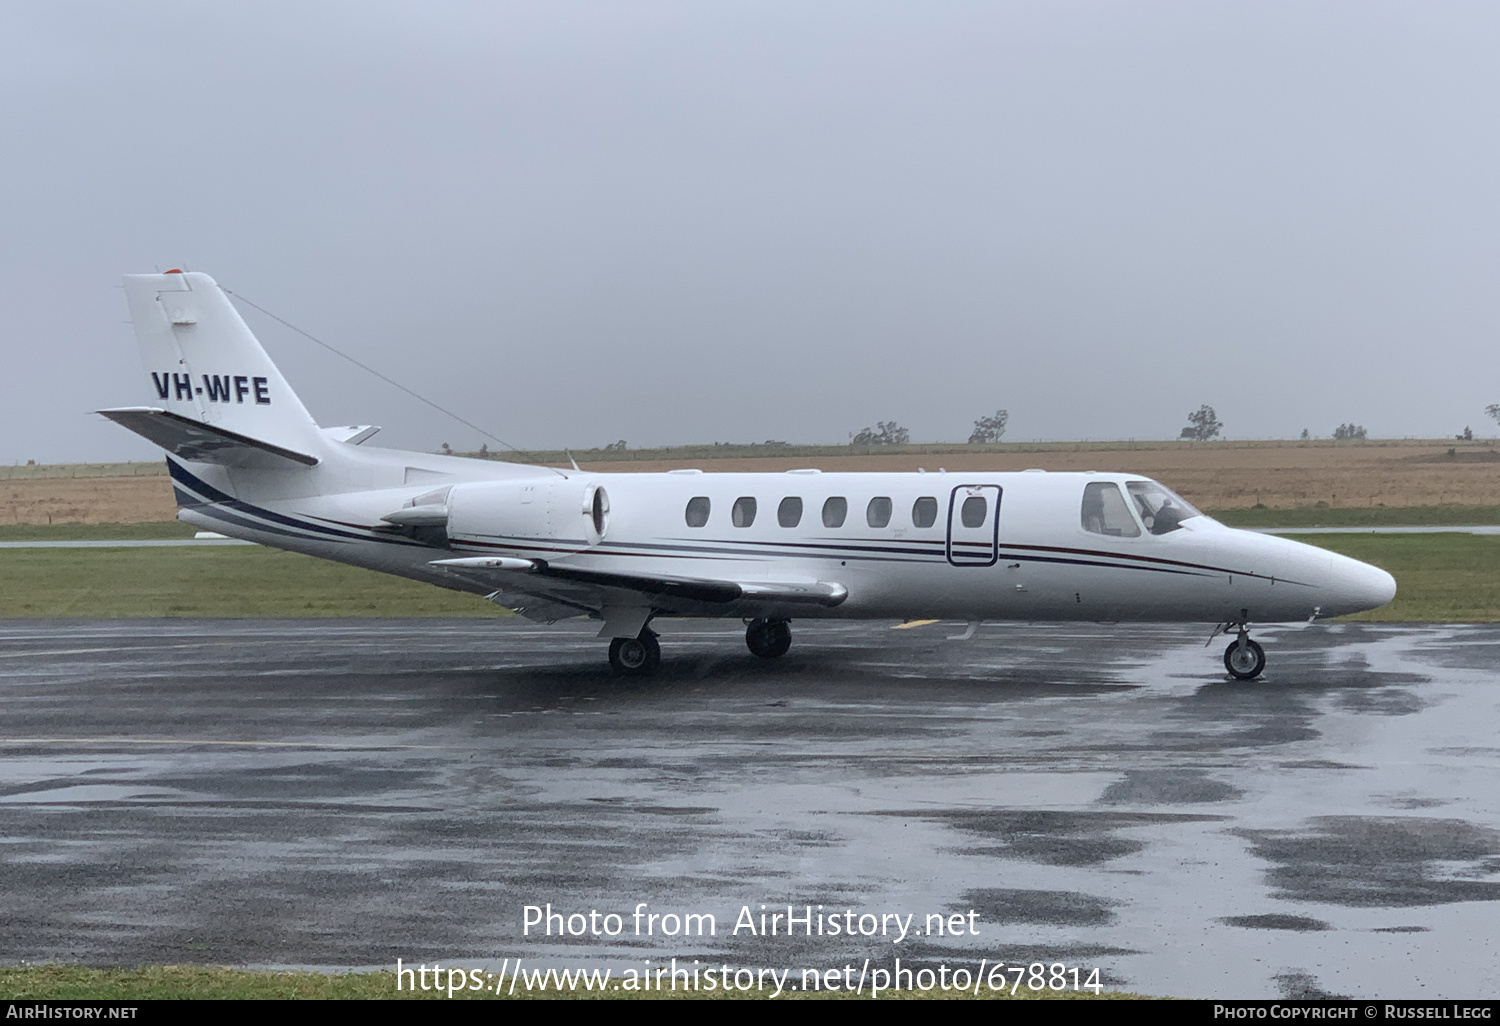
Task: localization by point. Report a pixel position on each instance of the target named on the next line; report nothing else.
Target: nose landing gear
(1244, 659)
(768, 638)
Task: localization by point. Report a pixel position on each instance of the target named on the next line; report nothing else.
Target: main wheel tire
(1245, 664)
(768, 638)
(635, 657)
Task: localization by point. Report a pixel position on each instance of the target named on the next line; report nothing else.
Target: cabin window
(834, 511)
(789, 513)
(974, 510)
(743, 513)
(924, 512)
(878, 512)
(697, 511)
(1161, 510)
(1105, 512)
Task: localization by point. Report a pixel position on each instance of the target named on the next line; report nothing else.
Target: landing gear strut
(635, 657)
(768, 638)
(1244, 659)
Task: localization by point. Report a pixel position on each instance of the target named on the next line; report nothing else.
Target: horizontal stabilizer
(355, 434)
(198, 442)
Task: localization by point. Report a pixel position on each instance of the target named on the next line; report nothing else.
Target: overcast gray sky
(688, 222)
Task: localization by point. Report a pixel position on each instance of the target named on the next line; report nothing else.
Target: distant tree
(616, 446)
(1467, 436)
(989, 429)
(887, 432)
(484, 449)
(447, 449)
(1203, 424)
(1349, 432)
(1305, 435)
(1493, 410)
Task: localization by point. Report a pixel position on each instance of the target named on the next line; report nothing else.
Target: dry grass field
(91, 493)
(1217, 476)
(1212, 475)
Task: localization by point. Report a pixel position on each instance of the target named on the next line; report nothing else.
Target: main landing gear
(635, 657)
(768, 638)
(640, 656)
(1244, 659)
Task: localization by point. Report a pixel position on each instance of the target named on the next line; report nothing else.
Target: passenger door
(974, 525)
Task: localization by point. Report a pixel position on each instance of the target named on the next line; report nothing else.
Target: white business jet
(248, 461)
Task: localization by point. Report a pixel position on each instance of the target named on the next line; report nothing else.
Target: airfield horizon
(1240, 477)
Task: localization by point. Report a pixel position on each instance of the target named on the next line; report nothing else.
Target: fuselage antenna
(389, 381)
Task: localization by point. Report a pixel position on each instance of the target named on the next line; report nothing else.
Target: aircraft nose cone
(1360, 586)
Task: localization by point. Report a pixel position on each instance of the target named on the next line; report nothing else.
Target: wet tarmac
(344, 793)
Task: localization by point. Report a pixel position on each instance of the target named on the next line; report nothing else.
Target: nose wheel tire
(635, 657)
(1244, 663)
(768, 638)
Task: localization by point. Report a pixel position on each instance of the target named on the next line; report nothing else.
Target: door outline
(992, 492)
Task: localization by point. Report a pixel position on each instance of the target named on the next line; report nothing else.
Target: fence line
(61, 471)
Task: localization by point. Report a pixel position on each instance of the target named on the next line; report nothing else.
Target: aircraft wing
(588, 591)
(197, 442)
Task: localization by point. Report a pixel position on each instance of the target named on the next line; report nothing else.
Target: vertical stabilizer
(203, 363)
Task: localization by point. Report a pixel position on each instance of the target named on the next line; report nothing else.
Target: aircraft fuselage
(901, 547)
(249, 461)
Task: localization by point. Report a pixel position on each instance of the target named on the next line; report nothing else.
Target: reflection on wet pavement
(343, 793)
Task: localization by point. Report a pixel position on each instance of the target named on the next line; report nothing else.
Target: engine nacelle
(568, 511)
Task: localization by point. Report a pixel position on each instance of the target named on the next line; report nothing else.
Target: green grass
(172, 982)
(1440, 578)
(1445, 578)
(101, 532)
(211, 581)
(1368, 516)
(176, 982)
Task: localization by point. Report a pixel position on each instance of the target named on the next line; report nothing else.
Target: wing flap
(539, 608)
(509, 571)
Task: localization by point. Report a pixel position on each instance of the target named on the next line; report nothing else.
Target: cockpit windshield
(1161, 510)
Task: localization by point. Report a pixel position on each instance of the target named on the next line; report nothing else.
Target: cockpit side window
(1104, 511)
(1161, 510)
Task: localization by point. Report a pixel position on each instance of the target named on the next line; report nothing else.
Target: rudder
(205, 365)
